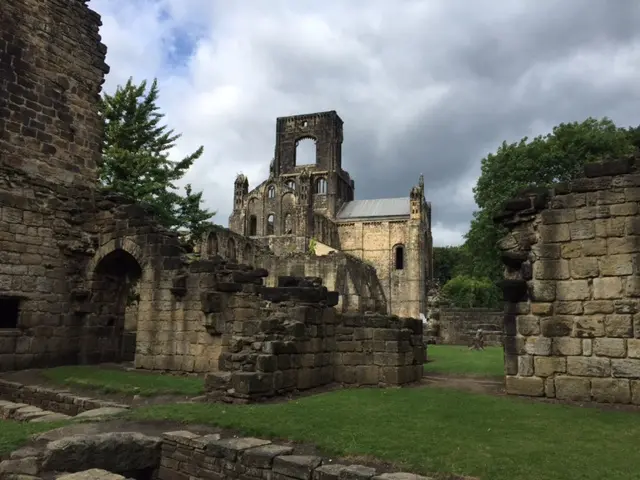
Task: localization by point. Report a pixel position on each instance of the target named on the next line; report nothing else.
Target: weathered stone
(588, 366)
(610, 390)
(610, 347)
(625, 368)
(547, 366)
(296, 466)
(572, 388)
(122, 451)
(529, 386)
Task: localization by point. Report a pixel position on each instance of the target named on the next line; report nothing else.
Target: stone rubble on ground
(93, 474)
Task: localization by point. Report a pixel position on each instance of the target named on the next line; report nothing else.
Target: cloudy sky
(423, 86)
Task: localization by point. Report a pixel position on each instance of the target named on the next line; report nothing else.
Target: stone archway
(113, 289)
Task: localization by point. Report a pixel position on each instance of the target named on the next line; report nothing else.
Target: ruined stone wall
(355, 281)
(277, 340)
(51, 71)
(188, 455)
(459, 325)
(232, 246)
(571, 267)
(50, 400)
(376, 243)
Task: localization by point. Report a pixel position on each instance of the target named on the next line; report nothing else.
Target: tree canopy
(541, 161)
(136, 163)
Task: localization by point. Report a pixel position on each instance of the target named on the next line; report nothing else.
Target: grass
(457, 360)
(106, 380)
(429, 430)
(14, 435)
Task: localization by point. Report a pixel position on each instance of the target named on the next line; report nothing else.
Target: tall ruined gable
(52, 66)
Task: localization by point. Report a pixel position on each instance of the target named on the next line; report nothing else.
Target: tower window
(321, 186)
(253, 225)
(271, 221)
(290, 184)
(399, 257)
(9, 312)
(271, 192)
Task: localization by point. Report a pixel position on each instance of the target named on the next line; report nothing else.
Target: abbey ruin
(572, 321)
(70, 253)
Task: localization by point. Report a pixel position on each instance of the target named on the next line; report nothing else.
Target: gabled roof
(378, 208)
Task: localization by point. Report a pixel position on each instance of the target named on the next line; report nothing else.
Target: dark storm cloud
(487, 102)
(423, 87)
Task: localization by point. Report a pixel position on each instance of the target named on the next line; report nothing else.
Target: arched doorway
(110, 330)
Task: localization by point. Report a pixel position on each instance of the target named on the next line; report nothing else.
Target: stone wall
(459, 325)
(51, 400)
(571, 278)
(277, 340)
(355, 281)
(187, 455)
(375, 242)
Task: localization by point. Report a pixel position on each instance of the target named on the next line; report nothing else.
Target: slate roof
(378, 208)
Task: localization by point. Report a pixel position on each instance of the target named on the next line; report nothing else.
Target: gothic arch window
(212, 244)
(271, 192)
(288, 224)
(253, 225)
(398, 257)
(290, 184)
(306, 151)
(321, 186)
(271, 223)
(231, 249)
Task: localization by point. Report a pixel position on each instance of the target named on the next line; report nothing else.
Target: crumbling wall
(572, 327)
(281, 339)
(457, 326)
(355, 281)
(51, 71)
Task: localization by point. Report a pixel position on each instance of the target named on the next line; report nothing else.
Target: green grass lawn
(15, 434)
(458, 360)
(432, 430)
(120, 381)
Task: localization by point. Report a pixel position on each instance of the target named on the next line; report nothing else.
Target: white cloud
(423, 87)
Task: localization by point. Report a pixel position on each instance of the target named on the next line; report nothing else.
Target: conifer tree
(136, 160)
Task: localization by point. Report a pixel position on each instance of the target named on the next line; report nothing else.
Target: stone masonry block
(566, 346)
(569, 290)
(551, 270)
(584, 267)
(618, 325)
(528, 325)
(607, 288)
(548, 366)
(528, 386)
(588, 326)
(611, 390)
(589, 366)
(610, 347)
(625, 368)
(555, 233)
(573, 388)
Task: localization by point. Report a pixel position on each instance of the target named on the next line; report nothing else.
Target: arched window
(321, 186)
(271, 222)
(288, 224)
(306, 151)
(253, 225)
(212, 244)
(399, 257)
(231, 249)
(271, 192)
(290, 184)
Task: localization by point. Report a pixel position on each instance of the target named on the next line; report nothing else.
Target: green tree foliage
(557, 156)
(136, 160)
(464, 291)
(447, 262)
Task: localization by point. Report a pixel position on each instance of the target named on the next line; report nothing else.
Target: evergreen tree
(136, 160)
